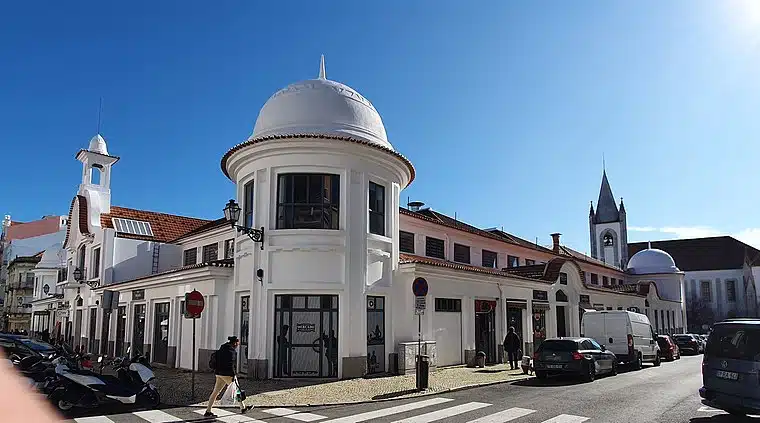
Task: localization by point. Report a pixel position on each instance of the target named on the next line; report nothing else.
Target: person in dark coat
(512, 346)
(224, 370)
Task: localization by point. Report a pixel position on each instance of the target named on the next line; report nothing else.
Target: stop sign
(194, 304)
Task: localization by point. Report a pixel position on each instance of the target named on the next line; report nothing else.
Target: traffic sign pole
(420, 291)
(194, 304)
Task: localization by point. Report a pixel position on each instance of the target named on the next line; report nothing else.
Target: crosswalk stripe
(446, 412)
(156, 416)
(229, 417)
(280, 412)
(293, 414)
(383, 412)
(95, 419)
(566, 418)
(504, 416)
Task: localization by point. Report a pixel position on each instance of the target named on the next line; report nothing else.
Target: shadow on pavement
(724, 418)
(395, 394)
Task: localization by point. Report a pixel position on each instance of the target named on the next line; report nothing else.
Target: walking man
(224, 370)
(512, 346)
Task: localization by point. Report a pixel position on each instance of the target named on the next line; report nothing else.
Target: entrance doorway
(539, 324)
(104, 332)
(121, 325)
(245, 314)
(561, 326)
(306, 336)
(515, 319)
(161, 333)
(375, 334)
(78, 329)
(485, 329)
(91, 344)
(138, 329)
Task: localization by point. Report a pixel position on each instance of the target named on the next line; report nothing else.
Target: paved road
(665, 394)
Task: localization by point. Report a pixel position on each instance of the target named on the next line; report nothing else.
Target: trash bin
(480, 359)
(423, 372)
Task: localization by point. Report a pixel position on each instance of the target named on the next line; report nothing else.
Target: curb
(424, 394)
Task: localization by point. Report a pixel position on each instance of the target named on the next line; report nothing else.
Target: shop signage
(306, 327)
(585, 299)
(540, 295)
(138, 294)
(484, 306)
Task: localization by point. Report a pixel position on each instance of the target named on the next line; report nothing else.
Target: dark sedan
(688, 344)
(582, 357)
(23, 346)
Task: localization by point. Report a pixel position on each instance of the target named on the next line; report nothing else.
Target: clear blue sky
(505, 108)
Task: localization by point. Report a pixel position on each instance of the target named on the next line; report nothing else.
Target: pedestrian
(512, 346)
(224, 370)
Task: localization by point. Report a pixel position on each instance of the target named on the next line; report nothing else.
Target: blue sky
(505, 108)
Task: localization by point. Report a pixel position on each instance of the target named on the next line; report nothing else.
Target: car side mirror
(100, 359)
(603, 348)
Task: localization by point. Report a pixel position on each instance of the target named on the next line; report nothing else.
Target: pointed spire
(591, 209)
(622, 206)
(606, 209)
(649, 245)
(322, 74)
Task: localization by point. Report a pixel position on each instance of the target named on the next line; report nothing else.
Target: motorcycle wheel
(151, 397)
(64, 405)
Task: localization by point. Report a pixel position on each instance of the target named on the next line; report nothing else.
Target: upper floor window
(229, 248)
(62, 274)
(490, 259)
(210, 252)
(731, 291)
(190, 257)
(308, 201)
(605, 281)
(594, 279)
(248, 204)
(406, 242)
(376, 209)
(529, 262)
(461, 253)
(513, 261)
(613, 281)
(706, 291)
(563, 278)
(95, 263)
(608, 241)
(434, 247)
(81, 257)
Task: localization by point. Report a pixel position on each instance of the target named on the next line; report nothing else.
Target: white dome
(98, 145)
(651, 260)
(320, 106)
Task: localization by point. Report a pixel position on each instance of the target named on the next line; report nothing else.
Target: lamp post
(232, 214)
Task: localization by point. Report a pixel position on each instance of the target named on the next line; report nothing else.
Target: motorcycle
(134, 383)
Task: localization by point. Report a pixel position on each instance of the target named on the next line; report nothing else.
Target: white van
(627, 334)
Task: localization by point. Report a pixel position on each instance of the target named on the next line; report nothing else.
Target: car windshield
(36, 345)
(683, 338)
(735, 342)
(559, 345)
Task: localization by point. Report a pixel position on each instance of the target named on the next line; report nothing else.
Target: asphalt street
(666, 394)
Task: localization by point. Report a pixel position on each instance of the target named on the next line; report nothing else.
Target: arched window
(560, 296)
(608, 241)
(96, 172)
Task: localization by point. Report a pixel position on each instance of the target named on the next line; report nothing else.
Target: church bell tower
(608, 228)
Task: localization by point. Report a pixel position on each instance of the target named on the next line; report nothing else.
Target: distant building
(17, 309)
(719, 273)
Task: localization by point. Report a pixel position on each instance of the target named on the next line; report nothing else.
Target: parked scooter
(134, 384)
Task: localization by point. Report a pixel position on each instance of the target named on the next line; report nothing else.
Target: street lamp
(232, 214)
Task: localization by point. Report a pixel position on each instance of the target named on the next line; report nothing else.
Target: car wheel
(590, 371)
(614, 371)
(639, 363)
(540, 374)
(64, 405)
(657, 360)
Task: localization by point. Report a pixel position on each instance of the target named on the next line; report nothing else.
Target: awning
(540, 306)
(516, 303)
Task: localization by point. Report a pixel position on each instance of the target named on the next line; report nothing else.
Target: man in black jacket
(511, 346)
(224, 369)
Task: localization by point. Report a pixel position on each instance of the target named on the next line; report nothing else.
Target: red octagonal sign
(194, 304)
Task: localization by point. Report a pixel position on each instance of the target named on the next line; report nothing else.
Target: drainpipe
(503, 306)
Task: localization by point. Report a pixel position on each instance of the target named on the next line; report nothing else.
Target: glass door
(104, 332)
(161, 333)
(485, 329)
(91, 345)
(245, 314)
(138, 330)
(375, 334)
(121, 325)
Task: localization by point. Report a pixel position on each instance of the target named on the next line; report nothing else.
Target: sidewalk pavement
(174, 387)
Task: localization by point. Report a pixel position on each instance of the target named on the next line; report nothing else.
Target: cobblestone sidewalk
(175, 387)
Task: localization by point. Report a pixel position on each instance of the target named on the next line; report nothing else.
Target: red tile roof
(213, 224)
(566, 251)
(224, 263)
(411, 258)
(166, 227)
(317, 136)
(82, 218)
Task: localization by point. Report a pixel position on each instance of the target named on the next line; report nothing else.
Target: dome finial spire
(649, 245)
(322, 68)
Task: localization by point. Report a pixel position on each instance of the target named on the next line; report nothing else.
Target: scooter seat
(114, 388)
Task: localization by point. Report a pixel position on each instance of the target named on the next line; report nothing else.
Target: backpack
(212, 361)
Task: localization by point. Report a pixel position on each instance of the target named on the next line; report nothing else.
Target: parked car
(23, 346)
(731, 367)
(668, 348)
(688, 344)
(627, 334)
(582, 357)
(702, 342)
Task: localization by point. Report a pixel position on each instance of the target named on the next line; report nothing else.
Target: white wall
(132, 258)
(717, 278)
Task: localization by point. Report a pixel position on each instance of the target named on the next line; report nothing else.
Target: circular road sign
(420, 287)
(194, 303)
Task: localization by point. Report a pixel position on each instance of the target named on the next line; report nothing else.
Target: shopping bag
(229, 395)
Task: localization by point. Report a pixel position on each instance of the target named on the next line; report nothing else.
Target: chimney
(415, 205)
(555, 242)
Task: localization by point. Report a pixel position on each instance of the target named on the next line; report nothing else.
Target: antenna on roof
(408, 200)
(455, 216)
(100, 110)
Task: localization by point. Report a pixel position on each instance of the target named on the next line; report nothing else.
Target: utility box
(423, 372)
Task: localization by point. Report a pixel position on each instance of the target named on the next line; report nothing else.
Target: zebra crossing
(430, 410)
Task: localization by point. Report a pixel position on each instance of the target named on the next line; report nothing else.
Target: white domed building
(318, 155)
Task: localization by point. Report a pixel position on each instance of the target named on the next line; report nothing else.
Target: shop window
(406, 242)
(461, 253)
(448, 305)
(308, 201)
(434, 247)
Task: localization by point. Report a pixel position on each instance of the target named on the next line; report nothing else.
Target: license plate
(554, 366)
(727, 375)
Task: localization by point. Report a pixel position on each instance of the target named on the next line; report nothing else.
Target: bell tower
(96, 176)
(608, 228)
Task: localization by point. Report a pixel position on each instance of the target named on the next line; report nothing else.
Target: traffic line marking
(156, 416)
(229, 417)
(389, 411)
(504, 416)
(95, 419)
(293, 414)
(566, 418)
(446, 412)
